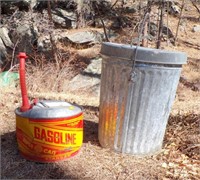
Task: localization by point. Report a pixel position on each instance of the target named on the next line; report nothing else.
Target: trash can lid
(49, 109)
(144, 54)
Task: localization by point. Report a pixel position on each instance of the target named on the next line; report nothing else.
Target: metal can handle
(133, 75)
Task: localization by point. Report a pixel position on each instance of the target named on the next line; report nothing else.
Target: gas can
(49, 131)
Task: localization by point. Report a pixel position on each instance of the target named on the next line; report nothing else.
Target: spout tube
(25, 101)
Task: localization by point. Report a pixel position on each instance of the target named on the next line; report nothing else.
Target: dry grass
(45, 76)
(194, 66)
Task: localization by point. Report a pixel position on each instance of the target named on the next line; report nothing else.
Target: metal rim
(148, 55)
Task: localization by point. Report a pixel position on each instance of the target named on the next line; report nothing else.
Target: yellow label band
(56, 137)
(49, 141)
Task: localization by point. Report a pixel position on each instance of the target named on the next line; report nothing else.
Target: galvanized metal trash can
(138, 87)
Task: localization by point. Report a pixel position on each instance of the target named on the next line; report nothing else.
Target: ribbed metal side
(133, 116)
(114, 91)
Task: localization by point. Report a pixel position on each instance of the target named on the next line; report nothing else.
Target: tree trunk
(80, 13)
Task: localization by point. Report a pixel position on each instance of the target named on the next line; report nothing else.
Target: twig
(54, 48)
(160, 25)
(140, 29)
(80, 13)
(13, 67)
(167, 23)
(140, 7)
(58, 77)
(134, 28)
(104, 28)
(192, 146)
(114, 4)
(0, 18)
(54, 51)
(11, 17)
(49, 10)
(13, 53)
(179, 21)
(145, 31)
(142, 24)
(145, 34)
(195, 6)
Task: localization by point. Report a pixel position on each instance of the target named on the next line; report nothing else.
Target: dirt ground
(179, 158)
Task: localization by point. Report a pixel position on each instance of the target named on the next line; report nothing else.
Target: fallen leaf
(164, 165)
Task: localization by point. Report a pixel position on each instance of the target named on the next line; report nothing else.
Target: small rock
(66, 19)
(24, 29)
(165, 32)
(61, 21)
(174, 9)
(44, 43)
(132, 9)
(2, 52)
(4, 42)
(153, 29)
(88, 83)
(70, 16)
(196, 28)
(66, 14)
(94, 67)
(85, 84)
(5, 38)
(85, 37)
(30, 3)
(27, 34)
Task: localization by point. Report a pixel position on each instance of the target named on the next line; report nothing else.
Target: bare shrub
(43, 74)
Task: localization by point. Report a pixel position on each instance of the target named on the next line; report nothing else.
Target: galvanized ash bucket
(138, 87)
(50, 131)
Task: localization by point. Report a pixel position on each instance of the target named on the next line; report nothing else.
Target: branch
(104, 28)
(193, 3)
(160, 25)
(168, 23)
(13, 53)
(49, 11)
(53, 48)
(182, 7)
(145, 30)
(142, 23)
(114, 4)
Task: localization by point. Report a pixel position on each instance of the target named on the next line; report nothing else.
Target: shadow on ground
(91, 132)
(16, 167)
